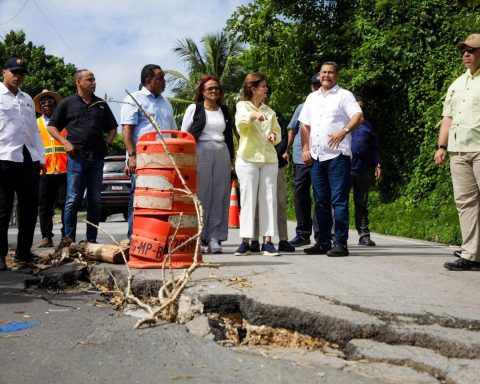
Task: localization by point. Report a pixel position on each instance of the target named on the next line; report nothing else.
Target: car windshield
(113, 166)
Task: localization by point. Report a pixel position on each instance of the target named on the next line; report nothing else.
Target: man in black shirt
(88, 119)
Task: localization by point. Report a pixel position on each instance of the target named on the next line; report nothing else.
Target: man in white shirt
(328, 117)
(135, 123)
(22, 159)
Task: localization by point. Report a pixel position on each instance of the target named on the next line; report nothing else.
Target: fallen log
(104, 253)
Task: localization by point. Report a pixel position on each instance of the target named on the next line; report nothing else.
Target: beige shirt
(462, 104)
(253, 144)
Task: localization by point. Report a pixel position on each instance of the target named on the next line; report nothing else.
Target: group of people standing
(54, 157)
(60, 154)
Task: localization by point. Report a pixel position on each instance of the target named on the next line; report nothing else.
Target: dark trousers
(22, 179)
(331, 183)
(362, 180)
(302, 185)
(53, 190)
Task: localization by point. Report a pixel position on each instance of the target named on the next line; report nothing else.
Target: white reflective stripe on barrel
(152, 160)
(187, 221)
(152, 202)
(153, 182)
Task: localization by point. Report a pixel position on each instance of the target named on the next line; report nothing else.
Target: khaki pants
(465, 170)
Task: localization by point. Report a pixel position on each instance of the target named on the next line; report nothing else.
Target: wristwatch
(444, 147)
(346, 130)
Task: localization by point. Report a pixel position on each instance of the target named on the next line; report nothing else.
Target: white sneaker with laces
(215, 247)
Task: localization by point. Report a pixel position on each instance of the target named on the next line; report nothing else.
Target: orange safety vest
(55, 156)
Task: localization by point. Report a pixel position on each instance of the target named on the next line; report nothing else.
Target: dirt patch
(233, 330)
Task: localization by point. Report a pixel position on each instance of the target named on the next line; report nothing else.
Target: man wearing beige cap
(53, 184)
(460, 133)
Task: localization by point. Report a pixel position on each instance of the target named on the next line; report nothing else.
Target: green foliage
(46, 71)
(117, 147)
(401, 57)
(432, 219)
(217, 56)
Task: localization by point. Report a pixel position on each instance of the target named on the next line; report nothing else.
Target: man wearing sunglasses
(22, 159)
(460, 133)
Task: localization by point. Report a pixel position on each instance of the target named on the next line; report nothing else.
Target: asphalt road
(77, 338)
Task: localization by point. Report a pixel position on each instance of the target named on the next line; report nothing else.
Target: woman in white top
(210, 124)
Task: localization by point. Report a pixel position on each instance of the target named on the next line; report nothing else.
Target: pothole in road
(233, 330)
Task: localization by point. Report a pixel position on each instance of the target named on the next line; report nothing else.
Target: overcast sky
(115, 38)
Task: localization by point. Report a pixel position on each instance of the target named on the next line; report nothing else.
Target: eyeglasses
(212, 89)
(469, 50)
(46, 102)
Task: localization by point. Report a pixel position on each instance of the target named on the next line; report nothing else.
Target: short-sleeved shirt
(462, 104)
(158, 107)
(18, 127)
(326, 113)
(297, 141)
(86, 123)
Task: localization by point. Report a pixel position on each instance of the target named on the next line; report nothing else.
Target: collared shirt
(297, 141)
(18, 127)
(158, 107)
(462, 104)
(86, 123)
(326, 113)
(253, 144)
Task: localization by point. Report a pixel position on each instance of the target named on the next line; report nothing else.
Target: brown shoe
(46, 242)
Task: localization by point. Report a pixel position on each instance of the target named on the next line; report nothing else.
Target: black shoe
(338, 250)
(457, 253)
(26, 258)
(243, 250)
(365, 240)
(317, 249)
(298, 241)
(255, 246)
(463, 265)
(285, 246)
(3, 264)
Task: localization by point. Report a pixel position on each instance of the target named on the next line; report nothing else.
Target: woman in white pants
(257, 165)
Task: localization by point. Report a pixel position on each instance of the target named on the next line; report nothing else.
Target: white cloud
(115, 38)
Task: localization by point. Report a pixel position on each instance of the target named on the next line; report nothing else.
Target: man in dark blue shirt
(365, 169)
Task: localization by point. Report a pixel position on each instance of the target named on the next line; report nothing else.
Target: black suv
(115, 187)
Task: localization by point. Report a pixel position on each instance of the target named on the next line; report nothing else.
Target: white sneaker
(215, 247)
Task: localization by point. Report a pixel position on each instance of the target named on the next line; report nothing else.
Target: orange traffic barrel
(163, 217)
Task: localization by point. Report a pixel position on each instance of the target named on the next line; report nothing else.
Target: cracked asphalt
(396, 313)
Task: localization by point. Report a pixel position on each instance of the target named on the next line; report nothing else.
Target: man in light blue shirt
(135, 123)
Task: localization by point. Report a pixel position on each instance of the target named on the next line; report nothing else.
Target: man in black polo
(88, 120)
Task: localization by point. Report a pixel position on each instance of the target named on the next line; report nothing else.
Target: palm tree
(217, 57)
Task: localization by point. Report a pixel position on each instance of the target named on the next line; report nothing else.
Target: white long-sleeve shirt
(18, 127)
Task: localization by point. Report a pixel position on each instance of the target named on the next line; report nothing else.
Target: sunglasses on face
(469, 50)
(212, 89)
